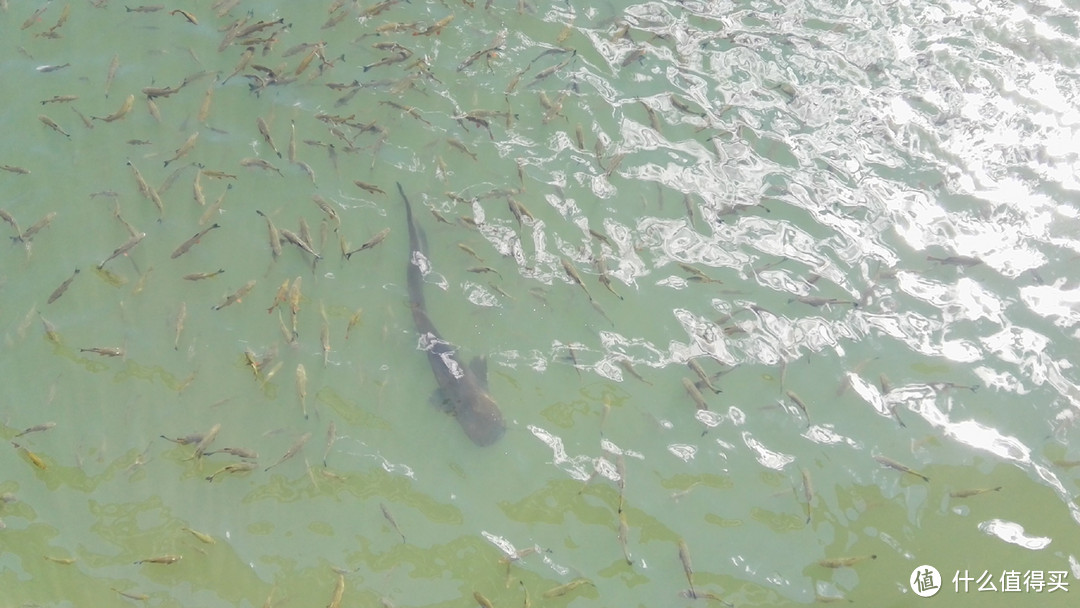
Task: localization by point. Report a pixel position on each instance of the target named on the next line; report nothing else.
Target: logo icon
(925, 581)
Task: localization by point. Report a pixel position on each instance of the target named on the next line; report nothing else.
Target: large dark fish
(462, 389)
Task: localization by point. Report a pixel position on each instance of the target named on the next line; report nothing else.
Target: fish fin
(439, 400)
(478, 366)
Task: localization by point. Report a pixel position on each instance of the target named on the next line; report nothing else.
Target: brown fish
(59, 291)
(121, 112)
(186, 245)
(237, 296)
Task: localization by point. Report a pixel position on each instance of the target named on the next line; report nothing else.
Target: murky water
(859, 220)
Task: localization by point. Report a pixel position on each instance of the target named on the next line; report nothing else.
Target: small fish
(956, 260)
(962, 493)
(237, 296)
(562, 590)
(39, 428)
(301, 388)
(60, 99)
(186, 245)
(435, 28)
(292, 451)
(236, 467)
(202, 536)
(295, 239)
(454, 143)
(207, 439)
(110, 351)
(66, 561)
(184, 148)
(161, 559)
(339, 591)
(808, 491)
(264, 130)
(45, 69)
(36, 228)
(629, 368)
(48, 122)
(186, 15)
(198, 276)
(482, 601)
(260, 164)
(331, 437)
(120, 113)
(181, 315)
(695, 394)
(238, 452)
(59, 291)
(369, 187)
(327, 209)
(114, 65)
(800, 404)
(574, 276)
(892, 464)
(123, 249)
(844, 562)
(696, 367)
(390, 518)
(483, 269)
(139, 597)
(245, 59)
(353, 321)
(684, 557)
(375, 240)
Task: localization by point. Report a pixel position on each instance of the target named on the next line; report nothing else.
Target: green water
(823, 151)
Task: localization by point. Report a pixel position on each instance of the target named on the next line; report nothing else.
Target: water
(770, 184)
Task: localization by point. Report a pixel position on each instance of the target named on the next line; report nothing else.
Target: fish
(161, 559)
(237, 296)
(956, 260)
(121, 112)
(301, 387)
(574, 276)
(215, 208)
(145, 189)
(696, 367)
(39, 428)
(48, 122)
(567, 588)
(800, 404)
(482, 601)
(892, 464)
(390, 518)
(462, 390)
(60, 99)
(808, 491)
(264, 130)
(436, 28)
(369, 187)
(186, 245)
(236, 467)
(114, 65)
(688, 568)
(198, 276)
(275, 236)
(295, 239)
(292, 451)
(207, 439)
(339, 591)
(695, 394)
(844, 562)
(184, 148)
(108, 351)
(202, 536)
(123, 249)
(186, 15)
(261, 164)
(181, 315)
(245, 59)
(59, 291)
(962, 493)
(375, 240)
